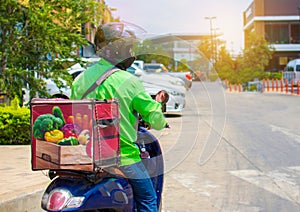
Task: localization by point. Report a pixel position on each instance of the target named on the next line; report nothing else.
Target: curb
(25, 202)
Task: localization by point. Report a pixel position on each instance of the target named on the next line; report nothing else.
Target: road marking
(287, 132)
(283, 183)
(195, 184)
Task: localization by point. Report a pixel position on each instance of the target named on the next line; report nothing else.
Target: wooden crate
(54, 156)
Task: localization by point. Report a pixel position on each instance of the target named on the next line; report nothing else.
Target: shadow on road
(173, 115)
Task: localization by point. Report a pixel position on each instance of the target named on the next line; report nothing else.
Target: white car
(160, 68)
(175, 104)
(74, 70)
(65, 93)
(154, 83)
(52, 88)
(173, 83)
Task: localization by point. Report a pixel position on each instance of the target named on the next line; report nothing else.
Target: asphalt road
(233, 152)
(226, 152)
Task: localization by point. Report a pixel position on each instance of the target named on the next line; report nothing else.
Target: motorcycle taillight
(57, 199)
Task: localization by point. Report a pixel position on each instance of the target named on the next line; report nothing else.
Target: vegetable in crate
(84, 137)
(71, 128)
(56, 111)
(45, 123)
(70, 120)
(54, 136)
(70, 133)
(68, 141)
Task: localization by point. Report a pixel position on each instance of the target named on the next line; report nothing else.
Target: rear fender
(108, 193)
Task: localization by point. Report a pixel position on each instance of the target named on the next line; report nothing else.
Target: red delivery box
(74, 134)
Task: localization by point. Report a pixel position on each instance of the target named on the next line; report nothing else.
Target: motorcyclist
(113, 43)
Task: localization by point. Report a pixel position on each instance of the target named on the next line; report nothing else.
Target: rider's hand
(162, 97)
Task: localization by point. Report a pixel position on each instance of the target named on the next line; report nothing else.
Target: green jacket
(131, 95)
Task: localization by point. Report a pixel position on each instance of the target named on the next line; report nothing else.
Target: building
(186, 47)
(278, 21)
(180, 46)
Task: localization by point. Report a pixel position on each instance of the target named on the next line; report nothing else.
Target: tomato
(70, 133)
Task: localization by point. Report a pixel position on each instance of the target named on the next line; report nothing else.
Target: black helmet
(114, 42)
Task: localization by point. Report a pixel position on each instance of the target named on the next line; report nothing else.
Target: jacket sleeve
(150, 110)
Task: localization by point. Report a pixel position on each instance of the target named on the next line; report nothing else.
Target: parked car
(161, 69)
(292, 72)
(176, 102)
(65, 92)
(139, 63)
(167, 81)
(53, 89)
(154, 83)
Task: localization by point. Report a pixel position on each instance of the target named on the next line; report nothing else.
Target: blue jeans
(143, 190)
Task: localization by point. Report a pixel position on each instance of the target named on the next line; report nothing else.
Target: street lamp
(211, 36)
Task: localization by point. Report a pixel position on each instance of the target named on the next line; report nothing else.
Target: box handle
(102, 123)
(46, 157)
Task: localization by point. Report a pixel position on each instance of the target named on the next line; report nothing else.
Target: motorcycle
(108, 189)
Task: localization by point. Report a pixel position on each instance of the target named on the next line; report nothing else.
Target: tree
(183, 65)
(36, 37)
(148, 52)
(225, 65)
(257, 55)
(246, 67)
(205, 47)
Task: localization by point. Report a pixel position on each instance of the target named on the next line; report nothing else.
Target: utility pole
(215, 43)
(211, 38)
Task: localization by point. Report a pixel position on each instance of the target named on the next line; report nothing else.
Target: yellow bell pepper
(54, 136)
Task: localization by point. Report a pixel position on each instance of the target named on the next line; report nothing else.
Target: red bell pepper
(70, 133)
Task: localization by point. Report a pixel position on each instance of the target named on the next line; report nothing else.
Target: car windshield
(153, 69)
(156, 68)
(131, 70)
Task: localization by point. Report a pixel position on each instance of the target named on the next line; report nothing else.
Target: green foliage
(32, 34)
(225, 65)
(273, 75)
(253, 88)
(148, 52)
(257, 56)
(213, 77)
(248, 66)
(15, 103)
(206, 48)
(14, 125)
(182, 65)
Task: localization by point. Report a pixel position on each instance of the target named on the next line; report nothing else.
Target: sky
(160, 17)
